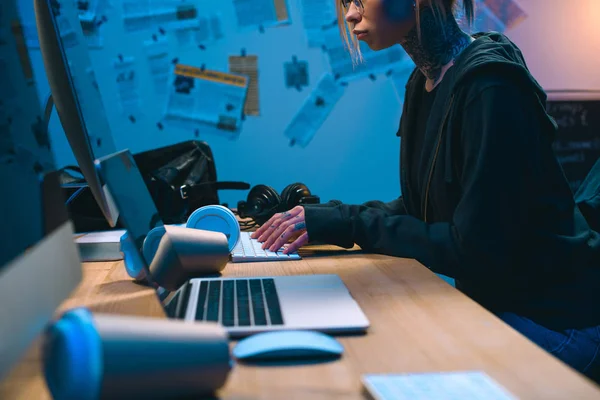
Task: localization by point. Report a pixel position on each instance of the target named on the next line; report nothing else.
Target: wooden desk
(419, 323)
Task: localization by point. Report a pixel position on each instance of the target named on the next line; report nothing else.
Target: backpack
(180, 178)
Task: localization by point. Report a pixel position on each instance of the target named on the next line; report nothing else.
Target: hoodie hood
(490, 52)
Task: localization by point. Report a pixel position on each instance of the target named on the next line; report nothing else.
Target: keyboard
(239, 302)
(231, 302)
(249, 250)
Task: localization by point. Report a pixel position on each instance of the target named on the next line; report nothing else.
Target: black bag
(180, 178)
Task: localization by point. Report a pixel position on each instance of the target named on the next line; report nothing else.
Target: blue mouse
(287, 345)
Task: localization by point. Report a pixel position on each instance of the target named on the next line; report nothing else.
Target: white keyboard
(249, 250)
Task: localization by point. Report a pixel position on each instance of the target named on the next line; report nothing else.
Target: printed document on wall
(141, 15)
(248, 66)
(317, 15)
(375, 62)
(201, 96)
(127, 87)
(315, 110)
(261, 13)
(157, 54)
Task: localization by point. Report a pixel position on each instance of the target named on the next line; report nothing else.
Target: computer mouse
(287, 345)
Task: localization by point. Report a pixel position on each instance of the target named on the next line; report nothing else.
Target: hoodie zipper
(435, 156)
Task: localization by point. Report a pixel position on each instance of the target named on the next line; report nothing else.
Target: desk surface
(419, 323)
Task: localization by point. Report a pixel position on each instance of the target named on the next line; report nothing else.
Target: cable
(74, 195)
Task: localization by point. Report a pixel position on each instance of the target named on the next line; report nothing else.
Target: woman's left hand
(282, 228)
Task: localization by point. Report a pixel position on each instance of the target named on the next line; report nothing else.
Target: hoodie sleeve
(498, 136)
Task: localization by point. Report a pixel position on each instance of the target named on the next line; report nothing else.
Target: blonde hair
(445, 6)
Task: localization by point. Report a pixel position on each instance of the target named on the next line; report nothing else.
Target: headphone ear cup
(263, 201)
(292, 194)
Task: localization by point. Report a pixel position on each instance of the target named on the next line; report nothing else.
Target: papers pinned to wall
(314, 111)
(317, 15)
(209, 29)
(296, 74)
(201, 96)
(248, 66)
(157, 56)
(139, 15)
(261, 13)
(375, 62)
(127, 87)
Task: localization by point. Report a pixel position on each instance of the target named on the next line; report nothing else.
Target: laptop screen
(137, 210)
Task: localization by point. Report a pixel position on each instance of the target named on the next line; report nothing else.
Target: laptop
(243, 305)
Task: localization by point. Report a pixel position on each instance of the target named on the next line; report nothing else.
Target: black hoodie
(497, 213)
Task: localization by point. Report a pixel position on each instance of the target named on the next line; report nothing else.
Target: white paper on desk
(317, 15)
(139, 15)
(261, 13)
(127, 88)
(472, 385)
(315, 110)
(375, 62)
(100, 237)
(198, 96)
(157, 55)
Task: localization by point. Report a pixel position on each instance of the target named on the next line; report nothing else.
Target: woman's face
(380, 23)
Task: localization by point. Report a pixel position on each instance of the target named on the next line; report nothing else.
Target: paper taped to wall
(209, 29)
(141, 15)
(127, 87)
(314, 111)
(157, 55)
(375, 62)
(317, 15)
(248, 66)
(201, 96)
(261, 13)
(296, 74)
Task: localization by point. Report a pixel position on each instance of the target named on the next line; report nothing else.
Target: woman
(484, 199)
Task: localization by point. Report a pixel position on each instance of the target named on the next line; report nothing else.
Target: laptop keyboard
(239, 302)
(249, 250)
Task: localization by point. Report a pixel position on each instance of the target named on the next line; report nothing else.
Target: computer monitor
(39, 262)
(77, 100)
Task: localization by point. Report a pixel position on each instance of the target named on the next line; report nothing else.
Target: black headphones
(263, 201)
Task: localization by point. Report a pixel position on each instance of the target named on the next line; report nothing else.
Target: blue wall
(353, 156)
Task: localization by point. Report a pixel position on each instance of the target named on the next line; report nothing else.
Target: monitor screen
(39, 262)
(75, 93)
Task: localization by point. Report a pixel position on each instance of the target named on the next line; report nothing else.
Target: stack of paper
(100, 246)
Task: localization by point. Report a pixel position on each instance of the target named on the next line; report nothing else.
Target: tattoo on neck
(441, 41)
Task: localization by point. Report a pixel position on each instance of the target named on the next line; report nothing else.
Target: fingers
(274, 223)
(278, 241)
(279, 231)
(264, 226)
(296, 244)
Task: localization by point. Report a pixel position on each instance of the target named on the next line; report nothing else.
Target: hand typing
(282, 228)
